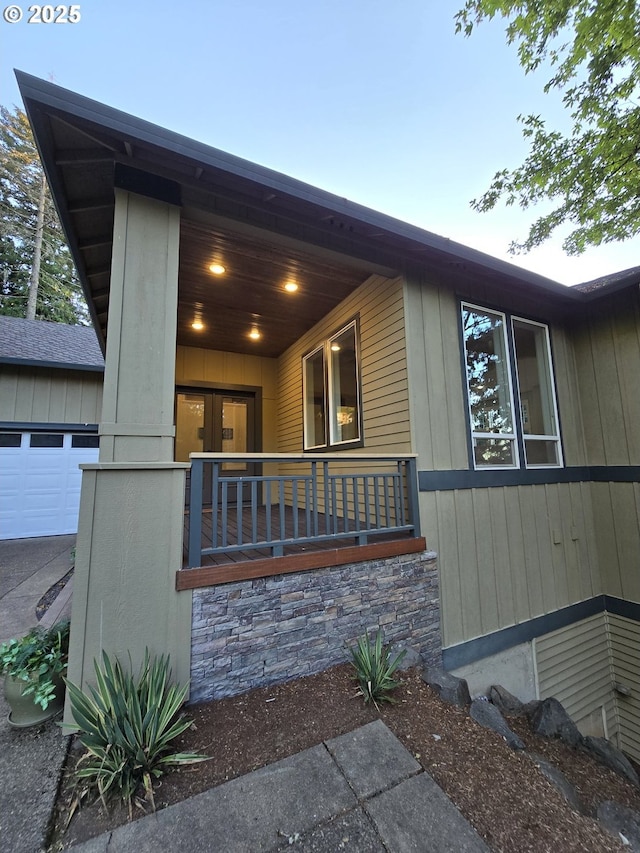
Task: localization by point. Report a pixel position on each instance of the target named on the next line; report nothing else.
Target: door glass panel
(234, 430)
(189, 425)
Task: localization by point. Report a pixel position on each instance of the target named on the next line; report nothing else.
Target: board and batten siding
(607, 352)
(616, 512)
(624, 638)
(383, 369)
(48, 395)
(222, 369)
(509, 554)
(574, 665)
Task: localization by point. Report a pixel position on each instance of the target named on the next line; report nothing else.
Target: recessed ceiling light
(198, 325)
(335, 347)
(291, 287)
(217, 269)
(254, 334)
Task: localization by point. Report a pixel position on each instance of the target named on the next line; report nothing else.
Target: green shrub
(36, 659)
(374, 670)
(127, 725)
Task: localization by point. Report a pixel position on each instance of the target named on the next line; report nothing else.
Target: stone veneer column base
(259, 632)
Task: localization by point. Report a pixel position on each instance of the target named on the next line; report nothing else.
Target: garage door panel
(40, 486)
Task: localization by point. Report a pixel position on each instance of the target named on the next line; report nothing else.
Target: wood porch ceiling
(252, 290)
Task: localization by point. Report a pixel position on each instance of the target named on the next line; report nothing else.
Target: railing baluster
(314, 492)
(327, 515)
(334, 507)
(215, 504)
(345, 503)
(268, 533)
(278, 550)
(388, 484)
(294, 506)
(239, 511)
(224, 511)
(254, 509)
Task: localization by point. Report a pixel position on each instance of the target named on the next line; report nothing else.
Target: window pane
(541, 452)
(489, 388)
(46, 439)
(314, 402)
(84, 440)
(493, 451)
(537, 400)
(10, 439)
(343, 378)
(534, 379)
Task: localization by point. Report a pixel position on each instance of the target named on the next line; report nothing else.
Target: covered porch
(210, 277)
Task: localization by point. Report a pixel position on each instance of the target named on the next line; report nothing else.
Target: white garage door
(40, 482)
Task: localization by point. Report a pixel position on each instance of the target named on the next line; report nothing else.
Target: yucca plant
(374, 670)
(127, 725)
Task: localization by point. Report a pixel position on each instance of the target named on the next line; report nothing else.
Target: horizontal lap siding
(625, 655)
(574, 666)
(385, 395)
(36, 395)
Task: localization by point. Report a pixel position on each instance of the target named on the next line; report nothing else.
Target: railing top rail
(304, 457)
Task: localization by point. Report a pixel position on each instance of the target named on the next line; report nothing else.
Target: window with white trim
(509, 359)
(331, 391)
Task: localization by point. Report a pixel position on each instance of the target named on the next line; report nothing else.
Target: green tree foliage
(59, 292)
(591, 174)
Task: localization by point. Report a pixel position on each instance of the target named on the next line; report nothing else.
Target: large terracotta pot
(24, 711)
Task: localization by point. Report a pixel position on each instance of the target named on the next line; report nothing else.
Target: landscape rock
(450, 688)
(549, 719)
(620, 820)
(557, 778)
(411, 658)
(489, 716)
(506, 702)
(606, 753)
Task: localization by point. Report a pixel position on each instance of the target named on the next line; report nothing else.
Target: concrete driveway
(28, 569)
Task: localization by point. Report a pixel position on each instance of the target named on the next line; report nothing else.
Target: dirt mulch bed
(501, 792)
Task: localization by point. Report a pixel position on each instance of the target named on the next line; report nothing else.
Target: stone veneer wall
(259, 632)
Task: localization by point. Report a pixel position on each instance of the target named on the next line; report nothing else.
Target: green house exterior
(515, 399)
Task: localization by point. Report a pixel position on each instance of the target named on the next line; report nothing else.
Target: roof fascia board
(56, 365)
(48, 94)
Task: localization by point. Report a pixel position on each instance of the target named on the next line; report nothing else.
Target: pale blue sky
(377, 101)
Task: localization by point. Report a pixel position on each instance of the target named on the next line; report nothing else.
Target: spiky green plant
(127, 725)
(374, 670)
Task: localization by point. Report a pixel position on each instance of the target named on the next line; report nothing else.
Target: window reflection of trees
(488, 384)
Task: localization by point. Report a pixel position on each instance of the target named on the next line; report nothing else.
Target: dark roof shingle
(33, 341)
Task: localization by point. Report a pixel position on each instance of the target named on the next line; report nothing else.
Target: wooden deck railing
(295, 500)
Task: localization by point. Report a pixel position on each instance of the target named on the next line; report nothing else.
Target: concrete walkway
(31, 760)
(362, 792)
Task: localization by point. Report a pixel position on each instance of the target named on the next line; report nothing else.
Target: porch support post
(129, 543)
